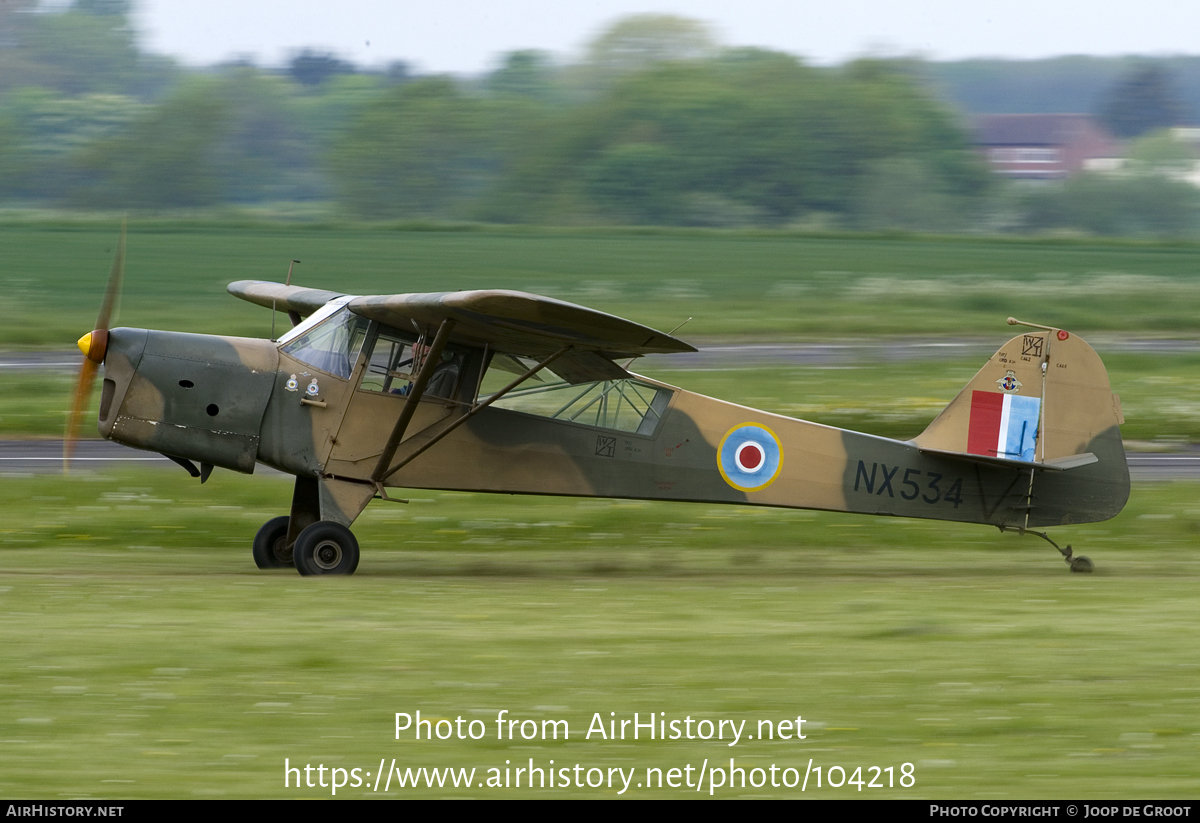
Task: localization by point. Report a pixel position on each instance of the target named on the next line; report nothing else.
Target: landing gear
(326, 547)
(308, 543)
(271, 550)
(1078, 563)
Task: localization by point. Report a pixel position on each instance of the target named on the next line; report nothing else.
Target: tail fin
(1043, 401)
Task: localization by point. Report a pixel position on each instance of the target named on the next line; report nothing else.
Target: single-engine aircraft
(509, 392)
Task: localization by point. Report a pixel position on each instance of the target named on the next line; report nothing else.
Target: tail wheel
(271, 550)
(1081, 564)
(326, 547)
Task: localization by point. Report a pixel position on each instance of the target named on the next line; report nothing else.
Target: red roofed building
(1045, 146)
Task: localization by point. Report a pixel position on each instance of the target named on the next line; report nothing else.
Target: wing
(280, 297)
(509, 321)
(520, 323)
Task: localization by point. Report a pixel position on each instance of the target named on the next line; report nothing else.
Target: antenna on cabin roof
(286, 282)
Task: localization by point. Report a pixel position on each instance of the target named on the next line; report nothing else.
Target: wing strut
(432, 358)
(478, 407)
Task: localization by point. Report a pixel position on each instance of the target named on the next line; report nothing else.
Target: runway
(25, 457)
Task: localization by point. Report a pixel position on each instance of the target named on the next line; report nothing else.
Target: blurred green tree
(1140, 102)
(312, 68)
(167, 158)
(89, 47)
(904, 194)
(528, 74)
(417, 150)
(1149, 205)
(637, 42)
(753, 132)
(1161, 152)
(636, 182)
(44, 131)
(264, 150)
(233, 137)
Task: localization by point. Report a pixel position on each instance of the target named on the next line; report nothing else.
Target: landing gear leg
(1078, 563)
(306, 507)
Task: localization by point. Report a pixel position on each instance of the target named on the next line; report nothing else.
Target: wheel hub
(327, 554)
(282, 551)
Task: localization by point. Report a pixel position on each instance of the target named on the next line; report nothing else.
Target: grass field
(144, 656)
(760, 286)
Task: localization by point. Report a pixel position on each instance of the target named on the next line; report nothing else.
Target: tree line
(658, 124)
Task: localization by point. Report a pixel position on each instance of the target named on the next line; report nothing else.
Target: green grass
(144, 656)
(759, 285)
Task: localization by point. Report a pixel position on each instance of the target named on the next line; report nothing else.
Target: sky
(469, 36)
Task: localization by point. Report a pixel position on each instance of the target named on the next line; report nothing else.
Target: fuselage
(313, 410)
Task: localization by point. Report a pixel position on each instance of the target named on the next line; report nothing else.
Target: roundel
(750, 457)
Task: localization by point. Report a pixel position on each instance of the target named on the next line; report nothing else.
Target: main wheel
(326, 547)
(271, 550)
(1081, 564)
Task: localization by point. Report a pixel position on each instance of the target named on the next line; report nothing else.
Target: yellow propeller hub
(94, 344)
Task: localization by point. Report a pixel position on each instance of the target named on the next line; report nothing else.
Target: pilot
(445, 376)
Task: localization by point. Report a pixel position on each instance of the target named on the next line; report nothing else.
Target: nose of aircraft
(94, 345)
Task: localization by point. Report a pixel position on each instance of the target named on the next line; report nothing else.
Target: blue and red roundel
(750, 457)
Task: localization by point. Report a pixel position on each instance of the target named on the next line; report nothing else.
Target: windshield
(332, 346)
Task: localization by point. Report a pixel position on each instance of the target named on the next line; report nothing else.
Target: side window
(390, 369)
(622, 405)
(396, 359)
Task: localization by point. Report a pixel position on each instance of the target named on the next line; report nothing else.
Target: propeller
(94, 345)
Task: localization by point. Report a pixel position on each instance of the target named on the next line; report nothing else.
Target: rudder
(1043, 398)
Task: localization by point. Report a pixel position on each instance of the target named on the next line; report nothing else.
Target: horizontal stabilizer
(1059, 464)
(1072, 462)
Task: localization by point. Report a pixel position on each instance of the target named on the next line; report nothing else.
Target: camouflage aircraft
(508, 392)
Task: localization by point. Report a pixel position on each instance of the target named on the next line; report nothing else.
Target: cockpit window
(332, 346)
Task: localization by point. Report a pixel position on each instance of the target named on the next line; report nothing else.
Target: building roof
(1037, 130)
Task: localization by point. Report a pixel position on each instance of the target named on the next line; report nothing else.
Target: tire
(271, 550)
(326, 547)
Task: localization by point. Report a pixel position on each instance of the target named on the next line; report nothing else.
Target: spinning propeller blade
(94, 345)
